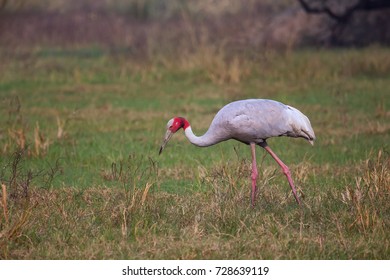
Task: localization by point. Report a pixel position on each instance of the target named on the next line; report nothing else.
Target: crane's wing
(255, 120)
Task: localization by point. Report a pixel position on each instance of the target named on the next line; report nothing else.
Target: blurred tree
(6, 4)
(341, 11)
(3, 3)
(351, 25)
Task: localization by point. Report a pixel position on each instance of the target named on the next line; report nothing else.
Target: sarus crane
(251, 122)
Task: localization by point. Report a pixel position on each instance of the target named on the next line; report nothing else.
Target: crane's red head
(172, 127)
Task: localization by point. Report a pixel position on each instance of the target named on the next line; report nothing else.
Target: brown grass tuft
(41, 144)
(17, 136)
(13, 224)
(3, 203)
(368, 197)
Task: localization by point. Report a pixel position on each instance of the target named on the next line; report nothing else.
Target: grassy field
(82, 179)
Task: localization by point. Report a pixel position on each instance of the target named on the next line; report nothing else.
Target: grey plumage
(252, 122)
(255, 120)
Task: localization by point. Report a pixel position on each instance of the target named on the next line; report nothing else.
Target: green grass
(100, 190)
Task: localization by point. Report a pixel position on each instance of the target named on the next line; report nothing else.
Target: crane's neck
(200, 141)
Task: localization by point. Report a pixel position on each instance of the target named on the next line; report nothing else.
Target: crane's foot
(297, 198)
(253, 194)
(286, 171)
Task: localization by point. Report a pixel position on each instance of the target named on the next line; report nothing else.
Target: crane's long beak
(167, 137)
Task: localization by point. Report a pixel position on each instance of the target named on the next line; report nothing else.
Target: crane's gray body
(254, 121)
(250, 121)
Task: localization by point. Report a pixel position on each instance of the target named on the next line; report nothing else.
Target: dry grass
(142, 222)
(368, 197)
(219, 67)
(20, 136)
(192, 203)
(12, 225)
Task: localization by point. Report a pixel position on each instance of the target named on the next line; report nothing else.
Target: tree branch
(361, 5)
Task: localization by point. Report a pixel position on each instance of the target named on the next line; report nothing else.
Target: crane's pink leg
(254, 173)
(285, 169)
